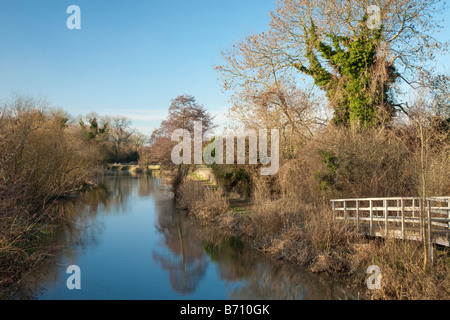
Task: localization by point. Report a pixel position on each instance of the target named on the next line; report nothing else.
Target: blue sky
(130, 57)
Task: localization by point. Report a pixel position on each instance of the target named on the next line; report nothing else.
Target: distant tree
(96, 129)
(139, 139)
(113, 136)
(121, 134)
(184, 111)
(61, 117)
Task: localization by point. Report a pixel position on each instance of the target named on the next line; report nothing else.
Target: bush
(202, 201)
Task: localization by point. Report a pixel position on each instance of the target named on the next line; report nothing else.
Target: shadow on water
(187, 260)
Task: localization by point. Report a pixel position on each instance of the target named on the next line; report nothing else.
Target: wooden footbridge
(397, 217)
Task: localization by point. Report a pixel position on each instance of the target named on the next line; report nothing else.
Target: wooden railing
(398, 217)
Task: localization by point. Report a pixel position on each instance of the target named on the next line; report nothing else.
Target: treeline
(45, 155)
(53, 153)
(113, 137)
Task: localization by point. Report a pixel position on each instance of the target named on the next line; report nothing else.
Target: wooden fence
(397, 217)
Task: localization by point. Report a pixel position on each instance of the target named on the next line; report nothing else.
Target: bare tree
(184, 111)
(428, 114)
(120, 133)
(329, 41)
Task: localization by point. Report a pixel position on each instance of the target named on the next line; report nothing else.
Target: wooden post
(371, 217)
(345, 211)
(403, 220)
(430, 247)
(448, 212)
(421, 204)
(334, 210)
(386, 217)
(357, 214)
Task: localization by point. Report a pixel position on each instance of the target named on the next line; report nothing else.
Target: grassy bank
(132, 168)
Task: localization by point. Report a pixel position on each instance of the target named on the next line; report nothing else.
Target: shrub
(202, 201)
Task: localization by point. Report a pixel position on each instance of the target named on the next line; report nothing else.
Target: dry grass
(306, 236)
(403, 276)
(311, 238)
(201, 200)
(21, 249)
(267, 218)
(212, 204)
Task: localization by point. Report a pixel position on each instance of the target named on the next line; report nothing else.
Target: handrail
(403, 214)
(392, 198)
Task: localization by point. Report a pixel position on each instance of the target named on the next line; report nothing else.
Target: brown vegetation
(44, 156)
(204, 201)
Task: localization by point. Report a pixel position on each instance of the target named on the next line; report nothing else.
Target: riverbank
(132, 168)
(308, 237)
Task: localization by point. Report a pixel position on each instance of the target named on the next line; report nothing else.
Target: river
(130, 242)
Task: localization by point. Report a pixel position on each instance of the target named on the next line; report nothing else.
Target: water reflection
(79, 222)
(262, 278)
(153, 251)
(185, 260)
(249, 275)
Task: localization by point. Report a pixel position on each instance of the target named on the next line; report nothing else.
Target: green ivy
(348, 88)
(327, 178)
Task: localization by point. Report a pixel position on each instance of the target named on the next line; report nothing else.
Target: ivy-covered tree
(355, 79)
(94, 130)
(336, 45)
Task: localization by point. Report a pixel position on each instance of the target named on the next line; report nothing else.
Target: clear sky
(130, 57)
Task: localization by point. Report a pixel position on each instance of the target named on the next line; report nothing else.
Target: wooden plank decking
(397, 217)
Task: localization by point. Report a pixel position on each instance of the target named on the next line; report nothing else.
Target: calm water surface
(132, 243)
